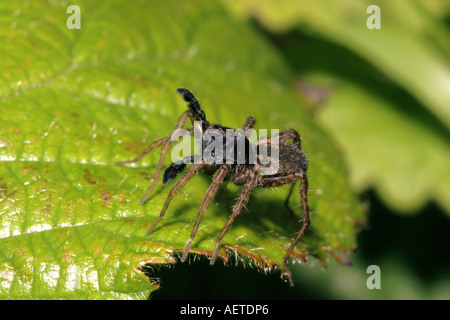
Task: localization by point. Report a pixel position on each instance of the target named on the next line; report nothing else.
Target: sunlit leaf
(73, 102)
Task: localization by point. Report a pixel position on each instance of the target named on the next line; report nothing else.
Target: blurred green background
(383, 95)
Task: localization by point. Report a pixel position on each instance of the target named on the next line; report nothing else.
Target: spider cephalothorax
(291, 164)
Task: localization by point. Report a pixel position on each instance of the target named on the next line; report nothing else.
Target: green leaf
(73, 102)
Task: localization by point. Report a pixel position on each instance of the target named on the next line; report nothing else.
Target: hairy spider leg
(194, 106)
(290, 134)
(249, 124)
(193, 170)
(220, 175)
(268, 182)
(286, 202)
(195, 113)
(166, 142)
(154, 144)
(284, 136)
(181, 122)
(306, 222)
(252, 182)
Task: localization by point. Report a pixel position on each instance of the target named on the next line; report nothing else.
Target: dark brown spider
(292, 165)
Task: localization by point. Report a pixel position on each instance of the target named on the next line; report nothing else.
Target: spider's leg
(217, 180)
(306, 222)
(290, 134)
(154, 144)
(270, 181)
(181, 121)
(286, 202)
(252, 181)
(249, 123)
(283, 137)
(194, 105)
(192, 172)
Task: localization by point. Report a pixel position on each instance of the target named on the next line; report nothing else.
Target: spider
(292, 166)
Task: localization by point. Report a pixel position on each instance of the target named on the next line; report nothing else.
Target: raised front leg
(181, 122)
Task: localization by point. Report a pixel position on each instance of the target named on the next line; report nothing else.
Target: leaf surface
(73, 102)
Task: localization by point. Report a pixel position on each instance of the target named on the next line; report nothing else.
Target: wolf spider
(292, 167)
